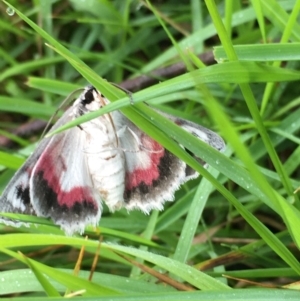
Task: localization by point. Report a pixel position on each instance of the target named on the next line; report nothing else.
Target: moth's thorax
(100, 131)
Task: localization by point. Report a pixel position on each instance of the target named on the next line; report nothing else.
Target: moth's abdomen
(108, 174)
(105, 161)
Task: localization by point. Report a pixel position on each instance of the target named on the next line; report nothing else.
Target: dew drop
(10, 11)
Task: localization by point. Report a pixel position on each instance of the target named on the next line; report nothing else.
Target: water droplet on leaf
(10, 11)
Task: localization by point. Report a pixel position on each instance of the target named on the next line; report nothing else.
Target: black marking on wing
(189, 171)
(166, 166)
(23, 194)
(51, 207)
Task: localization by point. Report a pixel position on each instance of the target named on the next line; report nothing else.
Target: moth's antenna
(129, 93)
(67, 99)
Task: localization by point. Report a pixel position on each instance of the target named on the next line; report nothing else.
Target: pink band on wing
(51, 168)
(146, 176)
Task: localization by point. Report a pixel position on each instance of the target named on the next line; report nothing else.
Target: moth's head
(90, 100)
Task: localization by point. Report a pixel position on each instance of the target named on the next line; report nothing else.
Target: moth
(107, 159)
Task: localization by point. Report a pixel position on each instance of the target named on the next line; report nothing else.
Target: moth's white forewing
(206, 135)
